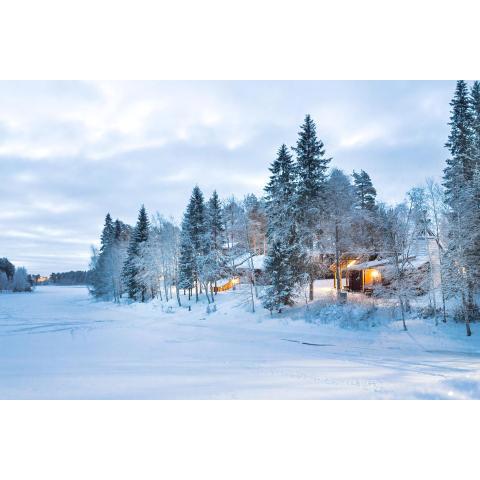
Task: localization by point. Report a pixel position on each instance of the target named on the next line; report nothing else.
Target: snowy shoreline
(58, 343)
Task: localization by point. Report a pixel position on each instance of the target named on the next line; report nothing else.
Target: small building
(362, 277)
(363, 273)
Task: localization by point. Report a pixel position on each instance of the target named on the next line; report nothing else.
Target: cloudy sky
(72, 151)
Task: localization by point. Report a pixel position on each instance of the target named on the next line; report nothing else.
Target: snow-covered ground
(58, 343)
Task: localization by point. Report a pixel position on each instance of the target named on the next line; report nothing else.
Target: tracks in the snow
(309, 343)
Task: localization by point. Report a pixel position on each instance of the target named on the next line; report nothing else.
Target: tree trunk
(206, 293)
(467, 317)
(338, 273)
(165, 290)
(178, 296)
(443, 306)
(310, 293)
(402, 308)
(251, 294)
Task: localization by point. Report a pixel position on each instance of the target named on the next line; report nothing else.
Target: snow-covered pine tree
(121, 239)
(283, 265)
(475, 106)
(311, 169)
(217, 262)
(280, 193)
(457, 180)
(186, 256)
(474, 220)
(474, 250)
(102, 280)
(131, 270)
(461, 164)
(365, 193)
(281, 289)
(195, 244)
(108, 233)
(366, 238)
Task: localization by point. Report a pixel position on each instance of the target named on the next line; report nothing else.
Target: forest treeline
(310, 217)
(74, 277)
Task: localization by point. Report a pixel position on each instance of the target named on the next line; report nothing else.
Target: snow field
(58, 343)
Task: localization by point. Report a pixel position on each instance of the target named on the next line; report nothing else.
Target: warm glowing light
(228, 285)
(375, 273)
(353, 262)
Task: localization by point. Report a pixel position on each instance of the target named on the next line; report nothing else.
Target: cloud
(71, 151)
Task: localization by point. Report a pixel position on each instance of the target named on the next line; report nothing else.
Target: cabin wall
(371, 277)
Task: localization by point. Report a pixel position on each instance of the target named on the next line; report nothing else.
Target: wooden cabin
(362, 277)
(351, 281)
(362, 273)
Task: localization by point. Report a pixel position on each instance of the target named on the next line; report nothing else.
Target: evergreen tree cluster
(156, 259)
(311, 216)
(79, 277)
(140, 262)
(462, 198)
(202, 249)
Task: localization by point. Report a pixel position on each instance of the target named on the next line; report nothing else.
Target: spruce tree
(102, 286)
(458, 180)
(475, 107)
(215, 223)
(364, 225)
(108, 233)
(280, 192)
(216, 238)
(121, 240)
(194, 241)
(310, 198)
(198, 221)
(117, 230)
(278, 268)
(365, 193)
(131, 271)
(311, 168)
(283, 262)
(460, 165)
(186, 256)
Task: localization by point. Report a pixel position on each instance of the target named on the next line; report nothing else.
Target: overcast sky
(72, 151)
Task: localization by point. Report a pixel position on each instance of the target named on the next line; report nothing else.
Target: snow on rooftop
(243, 261)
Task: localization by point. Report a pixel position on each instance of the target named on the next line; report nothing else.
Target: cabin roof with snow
(242, 261)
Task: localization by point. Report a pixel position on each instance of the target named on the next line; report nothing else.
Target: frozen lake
(58, 343)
